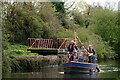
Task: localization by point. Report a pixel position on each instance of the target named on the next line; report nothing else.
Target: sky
(102, 2)
(113, 3)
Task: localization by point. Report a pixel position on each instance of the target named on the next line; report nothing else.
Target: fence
(59, 43)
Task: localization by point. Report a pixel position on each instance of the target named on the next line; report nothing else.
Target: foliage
(50, 20)
(51, 24)
(63, 15)
(17, 50)
(101, 47)
(21, 23)
(106, 26)
(24, 20)
(64, 34)
(78, 18)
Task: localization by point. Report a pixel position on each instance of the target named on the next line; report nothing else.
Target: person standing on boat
(71, 48)
(91, 52)
(84, 53)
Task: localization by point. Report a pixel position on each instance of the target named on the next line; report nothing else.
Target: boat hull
(79, 67)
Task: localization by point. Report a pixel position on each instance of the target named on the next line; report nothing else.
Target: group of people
(88, 55)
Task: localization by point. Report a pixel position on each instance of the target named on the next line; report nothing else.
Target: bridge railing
(59, 43)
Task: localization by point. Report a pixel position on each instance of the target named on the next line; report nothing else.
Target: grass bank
(17, 50)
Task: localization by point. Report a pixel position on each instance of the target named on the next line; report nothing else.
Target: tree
(106, 25)
(21, 22)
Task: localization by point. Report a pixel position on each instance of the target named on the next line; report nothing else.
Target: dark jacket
(72, 47)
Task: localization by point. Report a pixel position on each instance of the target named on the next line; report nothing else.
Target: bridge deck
(48, 51)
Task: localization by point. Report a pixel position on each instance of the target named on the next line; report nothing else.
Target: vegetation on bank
(18, 50)
(53, 20)
(30, 63)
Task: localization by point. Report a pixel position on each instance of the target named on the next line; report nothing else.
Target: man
(71, 48)
(91, 52)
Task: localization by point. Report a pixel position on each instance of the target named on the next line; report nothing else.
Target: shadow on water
(109, 69)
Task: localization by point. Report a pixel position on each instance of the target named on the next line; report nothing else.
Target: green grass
(18, 50)
(40, 48)
(17, 47)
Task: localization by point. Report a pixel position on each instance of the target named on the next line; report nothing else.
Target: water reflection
(52, 74)
(109, 69)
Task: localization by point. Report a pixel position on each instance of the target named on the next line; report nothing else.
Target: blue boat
(73, 66)
(79, 65)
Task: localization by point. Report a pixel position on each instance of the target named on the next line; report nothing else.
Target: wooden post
(62, 43)
(38, 43)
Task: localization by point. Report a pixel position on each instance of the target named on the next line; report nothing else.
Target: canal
(109, 69)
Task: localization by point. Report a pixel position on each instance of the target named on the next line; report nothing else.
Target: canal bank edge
(29, 63)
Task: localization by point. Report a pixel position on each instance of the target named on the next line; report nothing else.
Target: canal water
(109, 69)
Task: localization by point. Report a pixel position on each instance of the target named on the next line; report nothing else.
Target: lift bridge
(51, 46)
(48, 46)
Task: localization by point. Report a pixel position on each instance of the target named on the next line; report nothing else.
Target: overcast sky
(102, 2)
